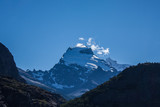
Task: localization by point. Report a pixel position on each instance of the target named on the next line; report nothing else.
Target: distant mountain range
(78, 71)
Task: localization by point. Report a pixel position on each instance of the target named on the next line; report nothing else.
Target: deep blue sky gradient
(38, 32)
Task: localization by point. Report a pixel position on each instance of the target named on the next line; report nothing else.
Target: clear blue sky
(38, 32)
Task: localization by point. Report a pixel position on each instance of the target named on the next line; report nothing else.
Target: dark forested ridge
(17, 94)
(136, 86)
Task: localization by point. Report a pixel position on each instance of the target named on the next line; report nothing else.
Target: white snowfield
(88, 60)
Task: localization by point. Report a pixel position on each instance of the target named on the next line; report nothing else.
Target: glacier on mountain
(85, 57)
(78, 71)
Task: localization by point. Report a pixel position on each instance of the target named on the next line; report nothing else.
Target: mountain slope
(78, 71)
(14, 91)
(117, 66)
(137, 86)
(7, 64)
(30, 80)
(17, 94)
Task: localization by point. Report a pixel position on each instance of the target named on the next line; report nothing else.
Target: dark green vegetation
(17, 94)
(137, 86)
(7, 64)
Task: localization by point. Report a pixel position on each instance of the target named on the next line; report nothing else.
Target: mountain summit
(84, 57)
(78, 71)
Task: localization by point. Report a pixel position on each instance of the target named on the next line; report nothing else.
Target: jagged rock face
(78, 71)
(17, 94)
(7, 64)
(137, 86)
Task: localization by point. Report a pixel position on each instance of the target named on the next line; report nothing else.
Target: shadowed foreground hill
(17, 94)
(7, 64)
(13, 90)
(137, 86)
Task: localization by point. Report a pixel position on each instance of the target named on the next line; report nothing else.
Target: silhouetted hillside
(13, 90)
(17, 94)
(7, 64)
(137, 86)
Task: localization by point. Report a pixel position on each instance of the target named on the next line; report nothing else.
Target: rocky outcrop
(7, 64)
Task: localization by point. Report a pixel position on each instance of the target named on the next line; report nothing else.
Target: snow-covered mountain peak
(85, 57)
(79, 50)
(78, 71)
